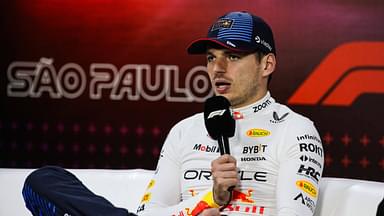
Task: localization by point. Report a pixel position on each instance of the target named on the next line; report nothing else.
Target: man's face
(236, 76)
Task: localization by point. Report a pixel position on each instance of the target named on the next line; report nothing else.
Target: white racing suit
(279, 157)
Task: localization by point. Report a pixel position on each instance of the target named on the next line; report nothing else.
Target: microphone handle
(224, 149)
(226, 145)
(223, 145)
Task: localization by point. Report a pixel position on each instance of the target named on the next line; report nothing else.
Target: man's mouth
(222, 86)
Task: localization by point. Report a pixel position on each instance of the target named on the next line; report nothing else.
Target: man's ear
(269, 63)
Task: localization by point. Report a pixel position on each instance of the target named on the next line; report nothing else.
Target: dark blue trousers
(380, 209)
(52, 191)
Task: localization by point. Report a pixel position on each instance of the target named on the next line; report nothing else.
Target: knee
(37, 187)
(41, 176)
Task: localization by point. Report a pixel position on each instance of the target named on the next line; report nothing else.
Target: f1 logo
(216, 113)
(349, 71)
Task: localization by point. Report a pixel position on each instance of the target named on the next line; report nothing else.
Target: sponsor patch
(140, 208)
(259, 107)
(222, 23)
(277, 118)
(237, 115)
(255, 149)
(146, 197)
(310, 147)
(205, 148)
(263, 42)
(307, 187)
(249, 209)
(151, 184)
(193, 192)
(193, 174)
(308, 137)
(206, 175)
(306, 158)
(256, 158)
(309, 171)
(207, 201)
(258, 132)
(306, 201)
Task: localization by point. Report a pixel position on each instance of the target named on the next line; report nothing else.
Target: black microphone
(219, 121)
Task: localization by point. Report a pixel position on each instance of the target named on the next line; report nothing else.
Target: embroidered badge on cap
(222, 23)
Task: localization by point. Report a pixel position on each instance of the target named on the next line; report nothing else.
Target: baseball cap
(237, 31)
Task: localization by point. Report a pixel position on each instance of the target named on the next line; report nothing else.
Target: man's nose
(220, 65)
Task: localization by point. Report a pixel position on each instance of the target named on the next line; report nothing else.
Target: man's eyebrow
(209, 52)
(238, 52)
(225, 51)
(229, 52)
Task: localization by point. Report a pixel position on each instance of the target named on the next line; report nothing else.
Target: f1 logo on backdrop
(350, 70)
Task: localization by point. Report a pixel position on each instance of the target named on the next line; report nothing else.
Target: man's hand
(224, 172)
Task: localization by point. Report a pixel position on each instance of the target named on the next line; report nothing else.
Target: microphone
(219, 121)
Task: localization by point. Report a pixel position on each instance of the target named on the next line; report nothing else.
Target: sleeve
(163, 194)
(301, 167)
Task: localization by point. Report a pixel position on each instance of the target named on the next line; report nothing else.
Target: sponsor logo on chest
(205, 148)
(257, 132)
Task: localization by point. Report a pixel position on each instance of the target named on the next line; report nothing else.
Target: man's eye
(210, 58)
(233, 57)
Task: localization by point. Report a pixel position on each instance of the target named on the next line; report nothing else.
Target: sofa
(124, 188)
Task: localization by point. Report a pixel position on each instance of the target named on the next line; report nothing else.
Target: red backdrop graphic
(98, 84)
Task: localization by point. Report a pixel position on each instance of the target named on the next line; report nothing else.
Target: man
(276, 156)
(276, 161)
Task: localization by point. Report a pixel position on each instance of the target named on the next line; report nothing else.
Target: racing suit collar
(258, 107)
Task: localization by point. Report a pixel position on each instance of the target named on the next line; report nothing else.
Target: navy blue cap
(237, 31)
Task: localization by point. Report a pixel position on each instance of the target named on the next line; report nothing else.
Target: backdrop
(99, 83)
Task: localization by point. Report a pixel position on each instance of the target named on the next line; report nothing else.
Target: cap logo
(231, 44)
(222, 23)
(263, 42)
